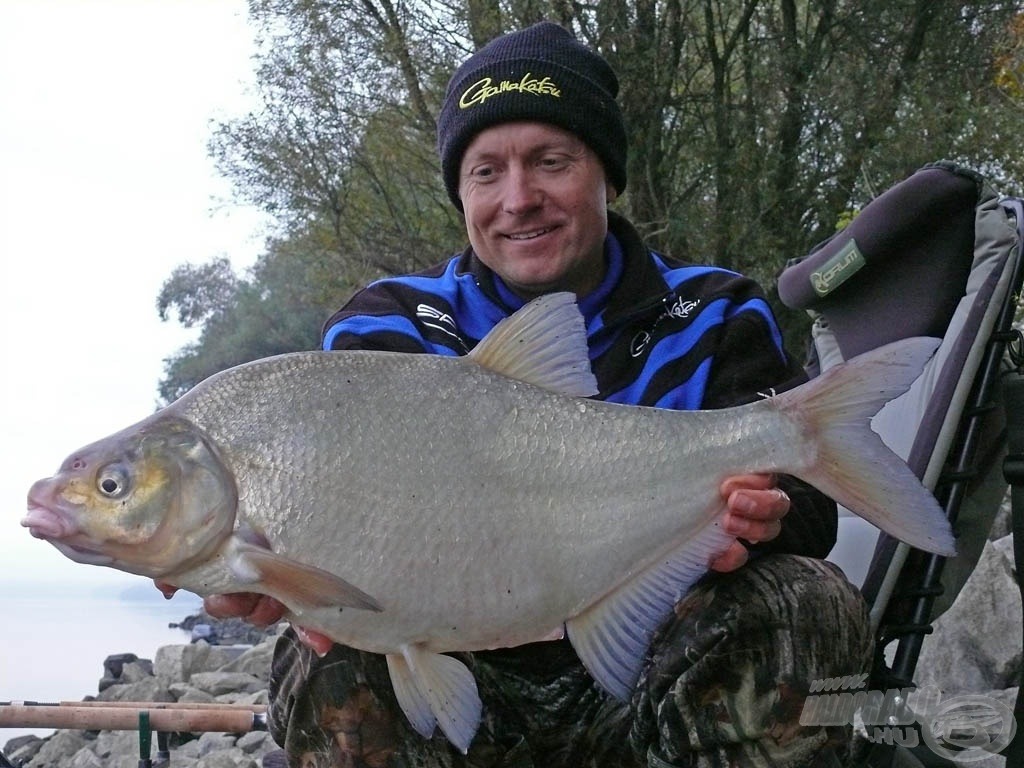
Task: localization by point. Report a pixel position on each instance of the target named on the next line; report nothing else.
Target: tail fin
(854, 466)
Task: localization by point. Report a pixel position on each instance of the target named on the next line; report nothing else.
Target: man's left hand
(755, 506)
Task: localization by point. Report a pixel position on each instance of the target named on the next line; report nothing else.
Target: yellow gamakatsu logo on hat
(484, 89)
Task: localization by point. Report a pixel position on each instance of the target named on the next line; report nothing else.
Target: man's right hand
(258, 610)
(262, 611)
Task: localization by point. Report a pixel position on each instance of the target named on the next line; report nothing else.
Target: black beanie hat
(541, 73)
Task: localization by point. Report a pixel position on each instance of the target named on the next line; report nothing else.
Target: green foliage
(198, 292)
(755, 128)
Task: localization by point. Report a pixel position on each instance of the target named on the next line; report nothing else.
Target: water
(54, 638)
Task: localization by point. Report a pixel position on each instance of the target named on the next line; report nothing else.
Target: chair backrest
(936, 255)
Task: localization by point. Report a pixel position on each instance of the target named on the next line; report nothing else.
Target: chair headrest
(900, 267)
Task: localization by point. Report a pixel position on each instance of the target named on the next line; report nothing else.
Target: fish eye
(112, 482)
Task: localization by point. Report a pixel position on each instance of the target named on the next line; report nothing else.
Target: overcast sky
(105, 187)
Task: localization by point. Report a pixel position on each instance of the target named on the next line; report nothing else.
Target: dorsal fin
(544, 344)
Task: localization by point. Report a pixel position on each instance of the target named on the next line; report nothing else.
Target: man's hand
(258, 610)
(755, 507)
(262, 611)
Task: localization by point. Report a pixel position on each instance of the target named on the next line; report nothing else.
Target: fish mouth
(59, 530)
(45, 523)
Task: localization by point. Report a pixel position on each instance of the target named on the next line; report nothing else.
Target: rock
(215, 742)
(148, 689)
(113, 665)
(976, 645)
(254, 661)
(184, 693)
(257, 697)
(21, 749)
(1007, 697)
(59, 749)
(256, 743)
(136, 671)
(234, 697)
(1003, 523)
(189, 750)
(85, 758)
(180, 662)
(218, 683)
(232, 758)
(991, 761)
(110, 744)
(112, 668)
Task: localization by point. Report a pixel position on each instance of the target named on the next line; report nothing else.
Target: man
(533, 151)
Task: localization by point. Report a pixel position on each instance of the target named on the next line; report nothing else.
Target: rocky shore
(234, 671)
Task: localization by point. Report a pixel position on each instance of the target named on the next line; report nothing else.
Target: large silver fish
(411, 505)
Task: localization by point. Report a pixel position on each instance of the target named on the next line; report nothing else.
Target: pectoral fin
(434, 689)
(297, 585)
(612, 636)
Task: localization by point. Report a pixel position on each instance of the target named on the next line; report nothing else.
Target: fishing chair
(938, 255)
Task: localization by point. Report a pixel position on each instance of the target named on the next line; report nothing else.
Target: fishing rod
(142, 716)
(123, 716)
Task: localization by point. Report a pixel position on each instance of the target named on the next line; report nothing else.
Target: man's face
(535, 198)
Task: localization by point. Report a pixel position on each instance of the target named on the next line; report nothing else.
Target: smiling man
(533, 151)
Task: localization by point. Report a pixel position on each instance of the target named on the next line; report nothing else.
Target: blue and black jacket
(661, 333)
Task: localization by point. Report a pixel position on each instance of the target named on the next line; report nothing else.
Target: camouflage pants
(724, 686)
